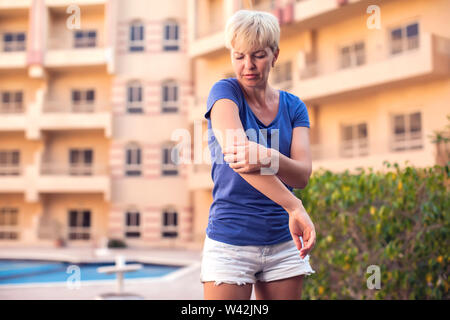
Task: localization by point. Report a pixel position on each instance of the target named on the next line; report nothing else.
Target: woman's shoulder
(225, 83)
(292, 100)
(228, 87)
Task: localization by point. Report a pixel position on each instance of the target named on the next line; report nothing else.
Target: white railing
(68, 42)
(358, 59)
(11, 107)
(10, 170)
(79, 107)
(354, 148)
(365, 148)
(49, 168)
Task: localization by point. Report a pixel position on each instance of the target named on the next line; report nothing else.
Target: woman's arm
(225, 123)
(296, 170)
(225, 120)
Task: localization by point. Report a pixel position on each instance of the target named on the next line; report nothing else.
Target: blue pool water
(28, 271)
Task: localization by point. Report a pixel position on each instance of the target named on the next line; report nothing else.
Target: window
(83, 100)
(171, 36)
(353, 55)
(354, 140)
(132, 224)
(170, 224)
(133, 160)
(170, 161)
(85, 39)
(134, 97)
(12, 102)
(79, 221)
(81, 162)
(137, 37)
(405, 38)
(14, 41)
(9, 223)
(9, 162)
(407, 131)
(169, 97)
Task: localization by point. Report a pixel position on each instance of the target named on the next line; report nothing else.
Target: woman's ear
(275, 57)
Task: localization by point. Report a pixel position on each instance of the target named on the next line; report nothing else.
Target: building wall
(319, 32)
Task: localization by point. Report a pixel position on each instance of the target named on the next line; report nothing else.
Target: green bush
(398, 220)
(116, 243)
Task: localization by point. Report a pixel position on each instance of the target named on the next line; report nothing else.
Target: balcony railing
(355, 148)
(396, 47)
(49, 168)
(69, 43)
(364, 148)
(10, 170)
(11, 108)
(407, 140)
(79, 107)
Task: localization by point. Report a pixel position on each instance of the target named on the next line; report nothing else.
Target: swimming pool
(31, 271)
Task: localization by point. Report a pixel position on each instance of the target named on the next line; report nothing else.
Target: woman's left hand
(247, 157)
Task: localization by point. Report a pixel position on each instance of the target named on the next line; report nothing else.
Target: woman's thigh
(284, 289)
(225, 291)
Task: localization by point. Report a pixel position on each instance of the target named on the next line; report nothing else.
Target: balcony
(82, 46)
(16, 4)
(13, 53)
(67, 178)
(364, 153)
(66, 3)
(69, 57)
(429, 60)
(58, 115)
(12, 179)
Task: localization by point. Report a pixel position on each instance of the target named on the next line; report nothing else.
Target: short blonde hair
(246, 30)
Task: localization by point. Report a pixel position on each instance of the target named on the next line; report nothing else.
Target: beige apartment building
(95, 94)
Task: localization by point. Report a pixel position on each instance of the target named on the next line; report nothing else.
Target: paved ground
(181, 284)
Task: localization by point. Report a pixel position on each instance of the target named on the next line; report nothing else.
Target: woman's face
(252, 68)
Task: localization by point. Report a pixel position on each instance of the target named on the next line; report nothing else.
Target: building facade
(96, 94)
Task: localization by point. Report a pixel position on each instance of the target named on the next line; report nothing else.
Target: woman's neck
(259, 96)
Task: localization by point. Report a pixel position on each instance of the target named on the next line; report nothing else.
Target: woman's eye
(260, 57)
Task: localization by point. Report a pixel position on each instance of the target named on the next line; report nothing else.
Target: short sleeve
(301, 118)
(223, 89)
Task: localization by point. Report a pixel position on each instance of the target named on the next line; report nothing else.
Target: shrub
(398, 220)
(116, 243)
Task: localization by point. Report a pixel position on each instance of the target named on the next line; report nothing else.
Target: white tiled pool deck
(178, 285)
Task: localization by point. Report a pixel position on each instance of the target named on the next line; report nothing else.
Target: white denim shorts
(226, 263)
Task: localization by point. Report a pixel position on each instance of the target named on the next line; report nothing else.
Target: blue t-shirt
(239, 213)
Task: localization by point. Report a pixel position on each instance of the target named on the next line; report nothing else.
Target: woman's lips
(250, 76)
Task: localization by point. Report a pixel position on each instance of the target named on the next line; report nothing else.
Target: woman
(258, 231)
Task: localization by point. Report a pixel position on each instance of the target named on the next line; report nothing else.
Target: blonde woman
(258, 232)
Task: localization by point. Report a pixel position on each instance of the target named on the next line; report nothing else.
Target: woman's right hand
(300, 225)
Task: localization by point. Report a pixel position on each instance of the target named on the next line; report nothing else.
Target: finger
(308, 243)
(297, 242)
(237, 165)
(242, 170)
(234, 157)
(233, 149)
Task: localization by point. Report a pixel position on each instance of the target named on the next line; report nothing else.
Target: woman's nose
(249, 63)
